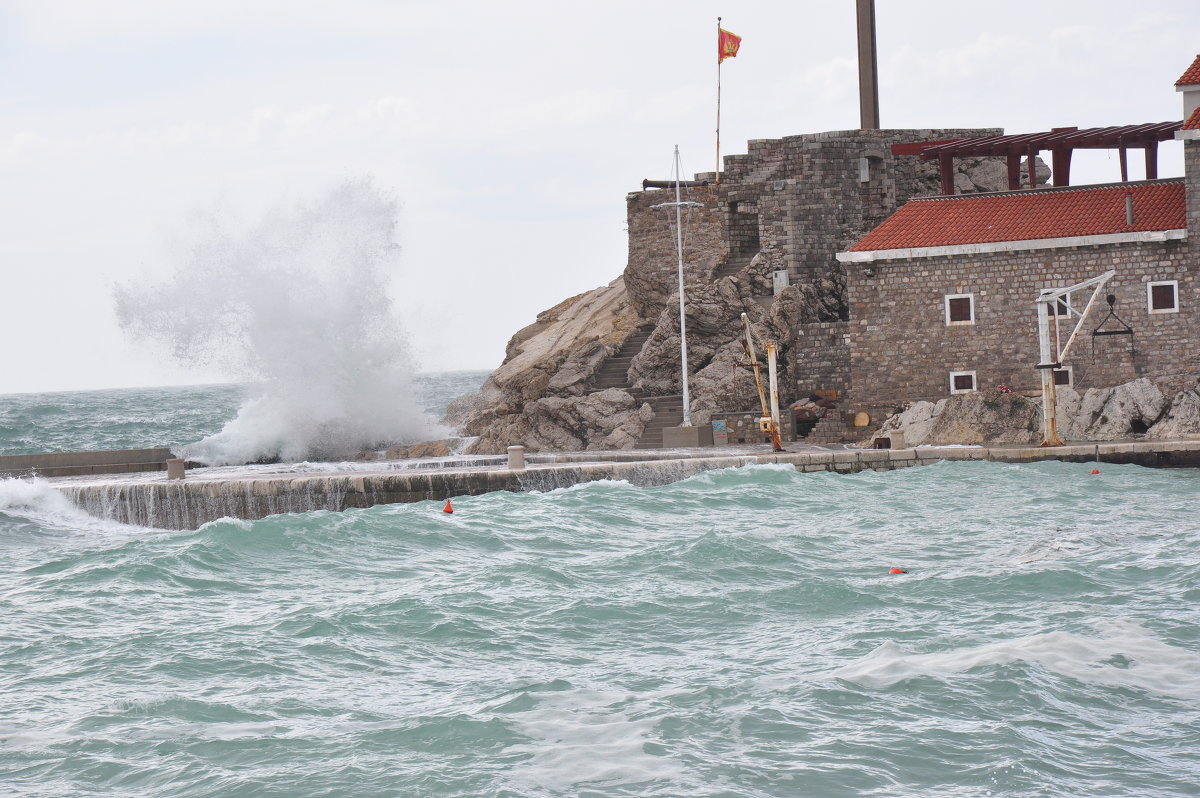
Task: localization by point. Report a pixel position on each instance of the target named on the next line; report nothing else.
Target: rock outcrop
(1134, 409)
(539, 396)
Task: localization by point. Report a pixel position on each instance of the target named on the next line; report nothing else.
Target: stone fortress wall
(789, 205)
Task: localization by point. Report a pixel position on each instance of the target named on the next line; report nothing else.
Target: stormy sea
(737, 633)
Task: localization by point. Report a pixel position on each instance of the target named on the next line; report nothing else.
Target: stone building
(941, 294)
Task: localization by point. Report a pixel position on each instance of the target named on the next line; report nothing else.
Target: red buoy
(1095, 470)
(897, 571)
(447, 508)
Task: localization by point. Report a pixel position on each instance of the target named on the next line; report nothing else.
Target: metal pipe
(648, 183)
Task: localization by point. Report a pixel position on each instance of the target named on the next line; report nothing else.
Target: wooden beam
(946, 167)
(1061, 164)
(1152, 161)
(1124, 165)
(1014, 172)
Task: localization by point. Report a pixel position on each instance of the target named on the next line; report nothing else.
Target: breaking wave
(297, 306)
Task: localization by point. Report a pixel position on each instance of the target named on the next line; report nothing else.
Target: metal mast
(679, 205)
(683, 360)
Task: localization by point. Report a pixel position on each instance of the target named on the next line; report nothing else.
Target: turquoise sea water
(137, 418)
(733, 634)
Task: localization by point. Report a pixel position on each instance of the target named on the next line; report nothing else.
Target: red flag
(727, 44)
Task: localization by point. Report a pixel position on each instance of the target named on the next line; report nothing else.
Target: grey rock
(1182, 419)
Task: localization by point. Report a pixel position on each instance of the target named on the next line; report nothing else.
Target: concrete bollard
(516, 457)
(175, 469)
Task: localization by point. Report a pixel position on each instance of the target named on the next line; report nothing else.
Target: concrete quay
(68, 464)
(200, 498)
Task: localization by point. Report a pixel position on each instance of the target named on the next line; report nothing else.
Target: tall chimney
(868, 69)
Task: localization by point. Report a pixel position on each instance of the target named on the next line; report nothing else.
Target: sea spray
(297, 306)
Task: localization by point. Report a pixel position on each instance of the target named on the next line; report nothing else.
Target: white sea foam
(35, 500)
(577, 737)
(1147, 663)
(297, 306)
(31, 495)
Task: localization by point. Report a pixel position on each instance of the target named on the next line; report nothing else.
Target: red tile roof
(1193, 121)
(1029, 215)
(1192, 76)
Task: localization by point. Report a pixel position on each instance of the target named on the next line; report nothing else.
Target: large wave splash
(296, 305)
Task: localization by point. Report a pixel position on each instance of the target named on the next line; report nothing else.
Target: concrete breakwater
(68, 464)
(192, 502)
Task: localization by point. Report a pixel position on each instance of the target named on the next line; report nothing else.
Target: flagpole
(719, 60)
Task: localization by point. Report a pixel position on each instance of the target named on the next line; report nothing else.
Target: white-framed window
(1064, 376)
(962, 381)
(960, 309)
(1162, 296)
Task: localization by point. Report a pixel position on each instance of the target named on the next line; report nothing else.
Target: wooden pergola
(1060, 141)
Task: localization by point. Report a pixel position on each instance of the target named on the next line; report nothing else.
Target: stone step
(661, 420)
(733, 265)
(614, 371)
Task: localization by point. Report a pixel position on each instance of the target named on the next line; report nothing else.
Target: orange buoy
(897, 571)
(1095, 470)
(447, 508)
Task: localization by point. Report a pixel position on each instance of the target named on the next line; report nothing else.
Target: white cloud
(508, 132)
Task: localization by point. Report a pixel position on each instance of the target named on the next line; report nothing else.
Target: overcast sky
(509, 133)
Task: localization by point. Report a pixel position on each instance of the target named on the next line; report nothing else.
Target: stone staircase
(830, 429)
(668, 412)
(733, 264)
(614, 372)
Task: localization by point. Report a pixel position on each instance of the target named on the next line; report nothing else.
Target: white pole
(1047, 357)
(683, 357)
(773, 381)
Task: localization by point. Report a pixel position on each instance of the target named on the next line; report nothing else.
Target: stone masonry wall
(651, 276)
(804, 195)
(902, 349)
(793, 202)
(821, 358)
(811, 198)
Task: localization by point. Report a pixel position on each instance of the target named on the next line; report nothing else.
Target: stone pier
(189, 503)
